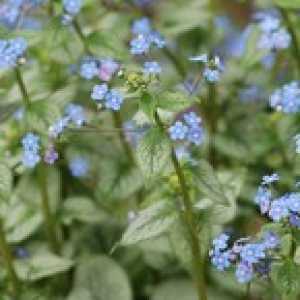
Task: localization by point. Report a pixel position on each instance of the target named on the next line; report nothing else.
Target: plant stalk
(8, 260)
(118, 123)
(48, 216)
(295, 46)
(191, 223)
(22, 87)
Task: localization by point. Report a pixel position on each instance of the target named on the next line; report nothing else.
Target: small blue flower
(113, 100)
(72, 7)
(191, 119)
(89, 69)
(263, 199)
(268, 179)
(58, 127)
(139, 45)
(252, 253)
(271, 240)
(294, 220)
(220, 242)
(141, 26)
(221, 260)
(51, 155)
(196, 135)
(152, 67)
(244, 272)
(99, 92)
(76, 114)
(30, 159)
(79, 166)
(293, 202)
(211, 75)
(156, 39)
(279, 209)
(30, 142)
(178, 131)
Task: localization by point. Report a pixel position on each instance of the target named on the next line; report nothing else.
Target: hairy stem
(8, 260)
(22, 87)
(295, 46)
(190, 222)
(118, 123)
(48, 216)
(81, 36)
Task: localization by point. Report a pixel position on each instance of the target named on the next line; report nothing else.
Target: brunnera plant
(134, 136)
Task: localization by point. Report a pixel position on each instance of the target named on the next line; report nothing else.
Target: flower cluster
(212, 67)
(104, 69)
(79, 166)
(189, 129)
(111, 98)
(12, 12)
(274, 36)
(285, 207)
(287, 98)
(11, 51)
(74, 113)
(250, 257)
(31, 148)
(144, 37)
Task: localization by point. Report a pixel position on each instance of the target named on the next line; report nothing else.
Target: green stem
(8, 259)
(81, 36)
(48, 217)
(175, 61)
(295, 46)
(22, 87)
(191, 223)
(118, 123)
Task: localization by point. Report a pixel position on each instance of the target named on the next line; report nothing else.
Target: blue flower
(72, 7)
(51, 155)
(113, 100)
(30, 159)
(293, 202)
(220, 242)
(268, 179)
(58, 127)
(192, 119)
(244, 272)
(89, 69)
(178, 131)
(287, 98)
(211, 75)
(141, 26)
(76, 114)
(221, 260)
(152, 67)
(271, 240)
(99, 92)
(11, 51)
(252, 253)
(196, 135)
(30, 142)
(294, 220)
(263, 199)
(139, 45)
(279, 209)
(79, 166)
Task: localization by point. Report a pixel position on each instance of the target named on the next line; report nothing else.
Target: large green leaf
(41, 266)
(173, 101)
(153, 152)
(100, 278)
(149, 223)
(285, 277)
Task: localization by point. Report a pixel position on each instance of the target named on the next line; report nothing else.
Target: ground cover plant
(149, 149)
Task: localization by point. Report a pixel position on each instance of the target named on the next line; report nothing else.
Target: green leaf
(100, 278)
(81, 209)
(173, 101)
(153, 152)
(287, 3)
(285, 277)
(209, 183)
(6, 179)
(41, 266)
(150, 222)
(148, 105)
(297, 256)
